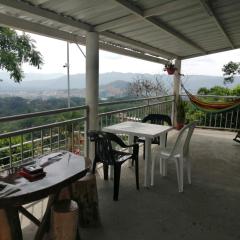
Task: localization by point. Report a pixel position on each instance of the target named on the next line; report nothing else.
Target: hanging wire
(81, 50)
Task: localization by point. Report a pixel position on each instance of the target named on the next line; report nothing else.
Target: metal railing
(68, 130)
(229, 120)
(136, 109)
(19, 146)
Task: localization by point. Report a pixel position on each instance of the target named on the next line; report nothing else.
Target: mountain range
(111, 84)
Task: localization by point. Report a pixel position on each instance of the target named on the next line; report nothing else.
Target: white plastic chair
(179, 153)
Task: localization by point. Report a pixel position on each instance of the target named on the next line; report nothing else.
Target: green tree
(15, 50)
(230, 70)
(203, 91)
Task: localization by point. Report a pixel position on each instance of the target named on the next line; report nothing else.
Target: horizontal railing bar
(133, 108)
(133, 100)
(43, 113)
(63, 110)
(51, 125)
(218, 128)
(28, 142)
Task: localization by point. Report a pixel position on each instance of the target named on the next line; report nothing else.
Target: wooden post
(84, 192)
(64, 220)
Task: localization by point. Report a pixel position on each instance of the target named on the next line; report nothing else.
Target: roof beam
(130, 53)
(155, 11)
(138, 44)
(37, 28)
(38, 11)
(116, 23)
(160, 25)
(209, 10)
(22, 24)
(165, 8)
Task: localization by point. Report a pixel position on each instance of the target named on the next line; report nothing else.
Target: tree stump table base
(84, 192)
(65, 220)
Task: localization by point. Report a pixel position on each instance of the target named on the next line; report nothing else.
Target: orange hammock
(214, 107)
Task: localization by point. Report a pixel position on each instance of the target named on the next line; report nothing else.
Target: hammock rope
(212, 107)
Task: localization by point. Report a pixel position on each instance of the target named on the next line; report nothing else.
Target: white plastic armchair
(180, 154)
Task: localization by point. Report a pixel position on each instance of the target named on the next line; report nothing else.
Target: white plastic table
(146, 130)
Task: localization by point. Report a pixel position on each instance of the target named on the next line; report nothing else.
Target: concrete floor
(208, 209)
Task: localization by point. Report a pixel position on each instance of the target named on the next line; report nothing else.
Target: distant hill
(111, 84)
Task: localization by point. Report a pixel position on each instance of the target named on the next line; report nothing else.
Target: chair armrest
(119, 141)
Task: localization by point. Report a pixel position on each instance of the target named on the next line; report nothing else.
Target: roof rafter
(165, 8)
(208, 9)
(160, 25)
(26, 7)
(134, 54)
(155, 11)
(116, 23)
(22, 24)
(37, 11)
(137, 44)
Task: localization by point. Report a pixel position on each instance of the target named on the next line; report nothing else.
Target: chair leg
(137, 173)
(105, 171)
(178, 173)
(152, 171)
(166, 140)
(164, 166)
(144, 151)
(94, 167)
(188, 162)
(181, 173)
(161, 166)
(117, 172)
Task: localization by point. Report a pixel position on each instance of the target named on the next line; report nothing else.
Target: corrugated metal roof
(165, 29)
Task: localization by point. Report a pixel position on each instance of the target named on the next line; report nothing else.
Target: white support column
(176, 89)
(92, 82)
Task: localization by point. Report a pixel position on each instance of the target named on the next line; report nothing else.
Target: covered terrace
(157, 31)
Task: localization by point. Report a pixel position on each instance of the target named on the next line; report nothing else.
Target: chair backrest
(181, 145)
(159, 119)
(103, 147)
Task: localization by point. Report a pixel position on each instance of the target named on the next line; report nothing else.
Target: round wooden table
(61, 168)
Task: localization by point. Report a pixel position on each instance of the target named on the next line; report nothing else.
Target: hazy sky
(54, 53)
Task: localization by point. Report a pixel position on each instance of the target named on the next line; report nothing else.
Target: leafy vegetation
(230, 70)
(15, 50)
(15, 105)
(193, 114)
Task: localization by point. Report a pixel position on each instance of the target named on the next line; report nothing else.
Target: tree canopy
(15, 50)
(144, 87)
(230, 70)
(220, 91)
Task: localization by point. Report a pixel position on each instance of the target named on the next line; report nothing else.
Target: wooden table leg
(45, 224)
(14, 223)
